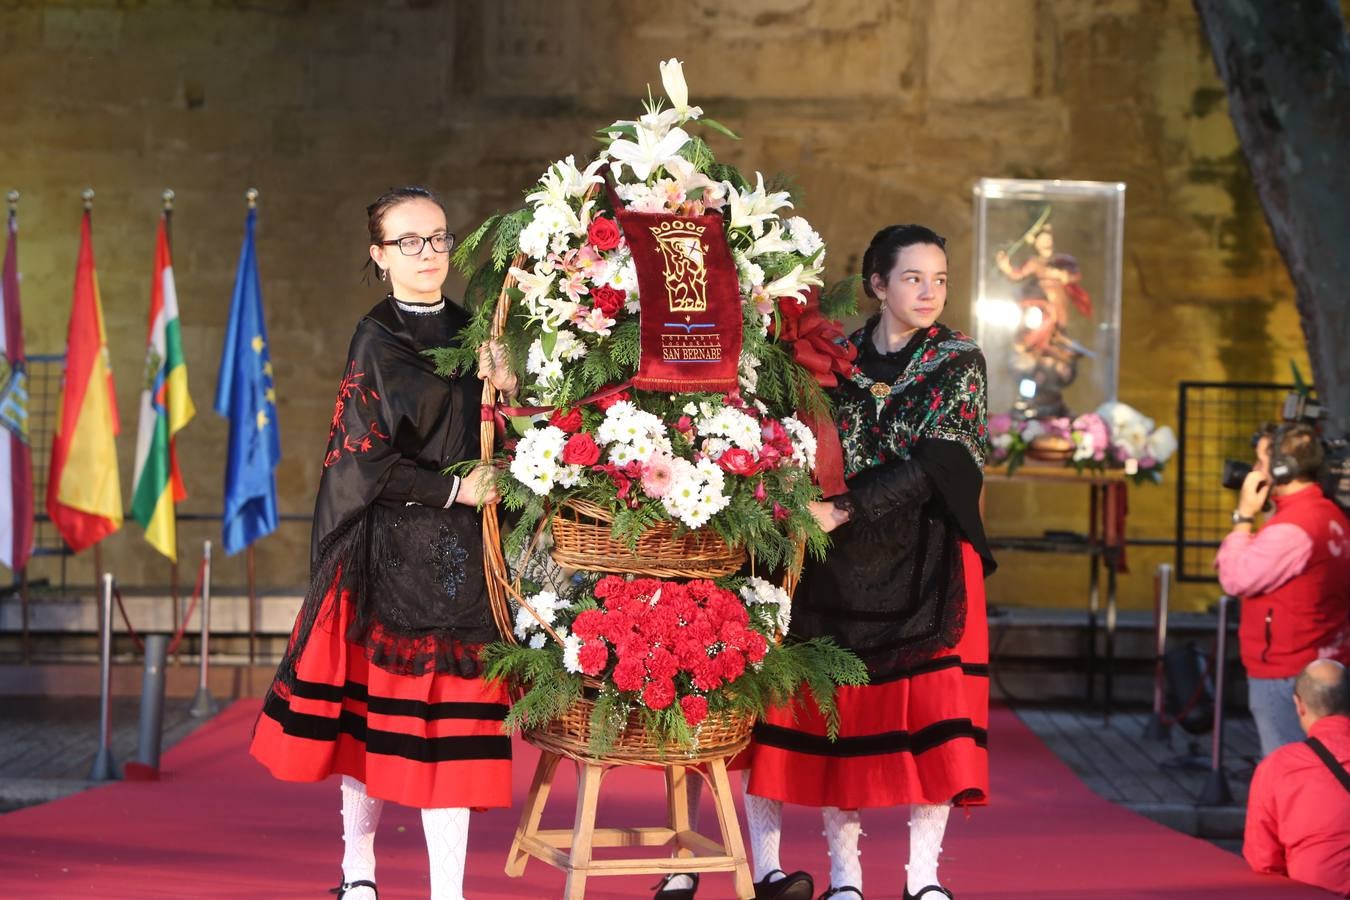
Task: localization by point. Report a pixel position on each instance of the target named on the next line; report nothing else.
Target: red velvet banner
(691, 303)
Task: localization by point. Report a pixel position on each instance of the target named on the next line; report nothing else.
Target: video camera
(1299, 407)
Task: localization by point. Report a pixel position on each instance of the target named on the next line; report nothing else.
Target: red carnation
(737, 462)
(569, 422)
(581, 450)
(589, 624)
(758, 645)
(661, 664)
(603, 233)
(628, 674)
(695, 708)
(708, 675)
(659, 693)
(593, 657)
(608, 300)
(608, 585)
(732, 664)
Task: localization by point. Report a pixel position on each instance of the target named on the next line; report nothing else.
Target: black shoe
(797, 886)
(931, 889)
(840, 891)
(346, 886)
(669, 893)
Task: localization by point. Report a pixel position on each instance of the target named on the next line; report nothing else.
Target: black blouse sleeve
(410, 483)
(875, 492)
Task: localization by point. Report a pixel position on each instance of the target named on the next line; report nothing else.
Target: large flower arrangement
(738, 461)
(1115, 436)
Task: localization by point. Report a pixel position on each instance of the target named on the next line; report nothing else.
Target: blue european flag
(245, 395)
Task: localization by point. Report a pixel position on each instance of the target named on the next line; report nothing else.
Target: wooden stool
(695, 852)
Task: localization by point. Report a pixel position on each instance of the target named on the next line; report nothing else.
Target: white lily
(672, 79)
(534, 285)
(594, 321)
(771, 242)
(647, 153)
(564, 180)
(794, 284)
(690, 179)
(750, 209)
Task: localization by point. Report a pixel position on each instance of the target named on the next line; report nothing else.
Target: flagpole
(168, 196)
(251, 197)
(87, 195)
(12, 198)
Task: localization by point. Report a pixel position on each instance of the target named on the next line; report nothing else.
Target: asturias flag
(16, 467)
(245, 395)
(165, 408)
(84, 498)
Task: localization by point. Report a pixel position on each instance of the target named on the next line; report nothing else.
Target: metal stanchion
(204, 704)
(1158, 728)
(1216, 791)
(104, 769)
(145, 766)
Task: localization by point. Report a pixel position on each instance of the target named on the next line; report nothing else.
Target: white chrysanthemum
(538, 640)
(560, 242)
(534, 239)
(536, 464)
(535, 358)
(568, 346)
(571, 653)
(1162, 444)
(803, 442)
(758, 591)
(623, 276)
(804, 238)
(748, 373)
(734, 425)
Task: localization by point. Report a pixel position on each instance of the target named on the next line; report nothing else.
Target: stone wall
(883, 110)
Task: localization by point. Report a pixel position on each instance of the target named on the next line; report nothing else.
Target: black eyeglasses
(412, 244)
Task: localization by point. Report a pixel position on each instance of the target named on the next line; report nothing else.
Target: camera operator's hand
(1255, 490)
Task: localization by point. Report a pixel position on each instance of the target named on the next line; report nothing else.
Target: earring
(384, 274)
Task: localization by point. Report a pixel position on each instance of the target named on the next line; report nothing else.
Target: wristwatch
(1239, 518)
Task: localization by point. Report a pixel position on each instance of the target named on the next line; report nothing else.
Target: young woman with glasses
(380, 683)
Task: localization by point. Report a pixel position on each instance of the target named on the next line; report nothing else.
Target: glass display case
(1047, 293)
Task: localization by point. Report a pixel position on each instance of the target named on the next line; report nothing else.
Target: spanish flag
(84, 498)
(165, 408)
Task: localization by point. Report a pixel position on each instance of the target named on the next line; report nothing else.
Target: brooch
(880, 390)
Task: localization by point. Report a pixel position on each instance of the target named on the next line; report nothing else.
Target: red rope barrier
(182, 626)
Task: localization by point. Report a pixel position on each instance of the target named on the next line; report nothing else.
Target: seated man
(1298, 812)
(1293, 577)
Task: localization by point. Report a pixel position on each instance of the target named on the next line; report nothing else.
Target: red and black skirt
(428, 741)
(917, 736)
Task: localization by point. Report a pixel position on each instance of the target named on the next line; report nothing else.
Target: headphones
(1283, 467)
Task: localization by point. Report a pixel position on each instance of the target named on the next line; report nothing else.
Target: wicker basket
(583, 539)
(720, 735)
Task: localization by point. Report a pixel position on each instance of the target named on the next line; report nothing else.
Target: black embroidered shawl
(912, 425)
(412, 567)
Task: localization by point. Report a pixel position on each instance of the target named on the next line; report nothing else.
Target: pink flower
(657, 475)
(760, 492)
(1000, 423)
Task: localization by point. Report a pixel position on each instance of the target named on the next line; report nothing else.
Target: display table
(1105, 544)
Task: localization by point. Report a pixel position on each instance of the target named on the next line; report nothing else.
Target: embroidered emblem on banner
(686, 273)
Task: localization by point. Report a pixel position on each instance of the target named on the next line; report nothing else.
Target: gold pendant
(880, 390)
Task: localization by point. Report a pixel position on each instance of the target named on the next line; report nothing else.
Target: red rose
(659, 693)
(603, 233)
(580, 450)
(608, 300)
(589, 624)
(628, 674)
(695, 708)
(606, 402)
(569, 422)
(593, 657)
(738, 462)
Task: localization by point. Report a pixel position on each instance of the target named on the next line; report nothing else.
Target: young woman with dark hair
(380, 683)
(902, 586)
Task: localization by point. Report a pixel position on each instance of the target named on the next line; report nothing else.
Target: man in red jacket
(1298, 811)
(1293, 577)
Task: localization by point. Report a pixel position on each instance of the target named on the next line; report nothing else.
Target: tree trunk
(1286, 66)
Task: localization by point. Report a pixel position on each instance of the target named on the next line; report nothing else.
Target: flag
(16, 465)
(84, 498)
(245, 395)
(165, 408)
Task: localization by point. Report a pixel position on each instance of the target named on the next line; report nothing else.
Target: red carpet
(219, 826)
